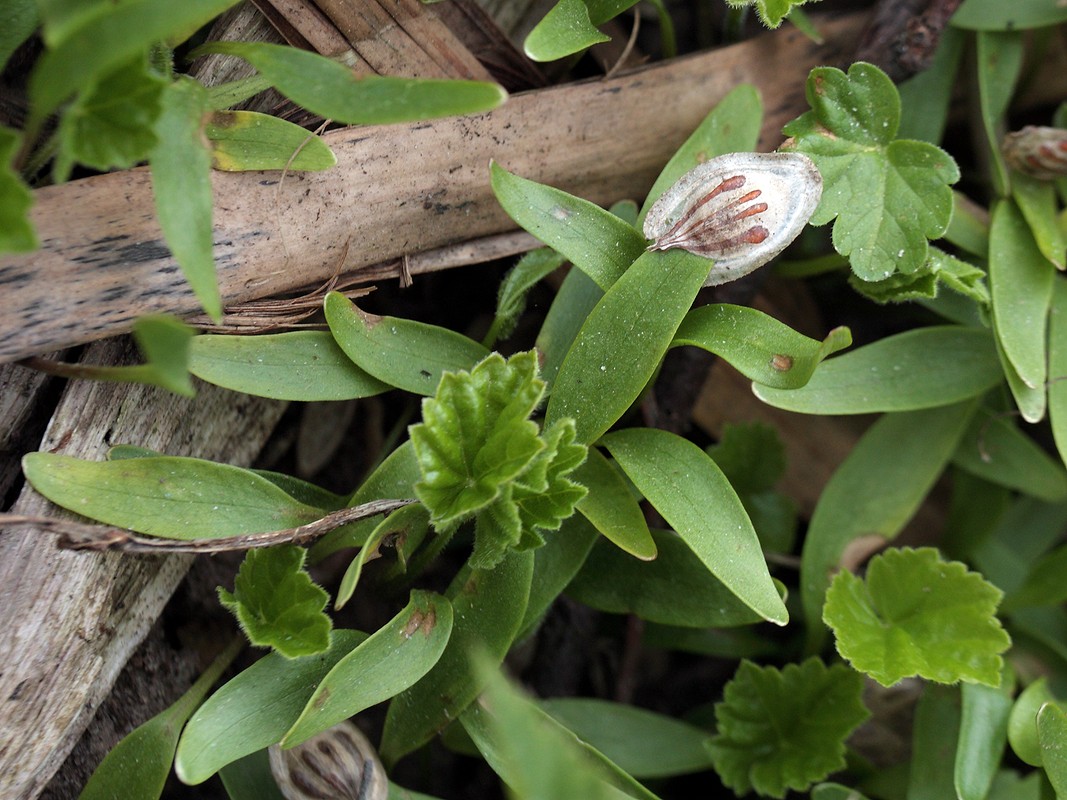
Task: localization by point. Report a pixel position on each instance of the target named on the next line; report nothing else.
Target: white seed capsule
(337, 764)
(739, 209)
(1037, 151)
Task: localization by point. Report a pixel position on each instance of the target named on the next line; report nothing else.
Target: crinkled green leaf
(300, 365)
(785, 729)
(511, 298)
(751, 456)
(111, 122)
(246, 140)
(169, 496)
(1052, 738)
(255, 708)
(181, 185)
(390, 661)
(643, 743)
(870, 498)
(536, 756)
(18, 20)
(733, 126)
(138, 765)
(590, 237)
(916, 614)
(612, 508)
(993, 15)
(332, 90)
(598, 381)
(488, 608)
(1022, 723)
(692, 494)
(757, 345)
(983, 736)
(1057, 367)
(889, 196)
(940, 267)
(16, 232)
(771, 12)
(672, 589)
(476, 435)
(920, 368)
(400, 352)
(995, 449)
(566, 29)
(277, 603)
(1021, 280)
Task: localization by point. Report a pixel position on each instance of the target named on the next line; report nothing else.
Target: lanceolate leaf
(169, 496)
(922, 368)
(277, 603)
(181, 185)
(992, 15)
(1057, 365)
(598, 381)
(918, 615)
(1022, 722)
(555, 564)
(1052, 737)
(612, 508)
(332, 90)
(757, 345)
(246, 140)
(402, 353)
(871, 497)
(566, 29)
(254, 709)
(690, 491)
(983, 735)
(391, 660)
(935, 734)
(301, 365)
(999, 58)
(785, 729)
(888, 196)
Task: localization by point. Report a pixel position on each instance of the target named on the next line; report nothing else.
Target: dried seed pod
(337, 764)
(1037, 151)
(740, 209)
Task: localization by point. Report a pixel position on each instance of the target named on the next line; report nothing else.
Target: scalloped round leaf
(785, 729)
(916, 614)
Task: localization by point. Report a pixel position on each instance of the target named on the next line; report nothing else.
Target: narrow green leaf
(785, 729)
(1021, 280)
(277, 603)
(250, 778)
(409, 523)
(403, 353)
(511, 298)
(995, 449)
(181, 185)
(105, 40)
(598, 382)
(391, 660)
(1032, 401)
(835, 791)
(1037, 203)
(165, 342)
(488, 607)
(921, 368)
(246, 140)
(643, 743)
(969, 228)
(574, 301)
(612, 508)
(888, 195)
(169, 496)
(301, 365)
(16, 232)
(936, 730)
(918, 615)
(590, 237)
(332, 90)
(1057, 367)
(872, 496)
(254, 709)
(999, 61)
(1008, 785)
(566, 29)
(927, 96)
(110, 123)
(1044, 586)
(536, 756)
(18, 20)
(983, 735)
(992, 15)
(733, 126)
(1052, 737)
(138, 765)
(757, 345)
(683, 483)
(751, 455)
(674, 589)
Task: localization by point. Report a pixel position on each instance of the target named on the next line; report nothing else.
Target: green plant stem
(140, 373)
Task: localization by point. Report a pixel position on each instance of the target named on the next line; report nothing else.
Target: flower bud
(337, 764)
(1037, 151)
(739, 209)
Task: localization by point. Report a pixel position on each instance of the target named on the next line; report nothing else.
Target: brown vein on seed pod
(754, 235)
(694, 233)
(728, 185)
